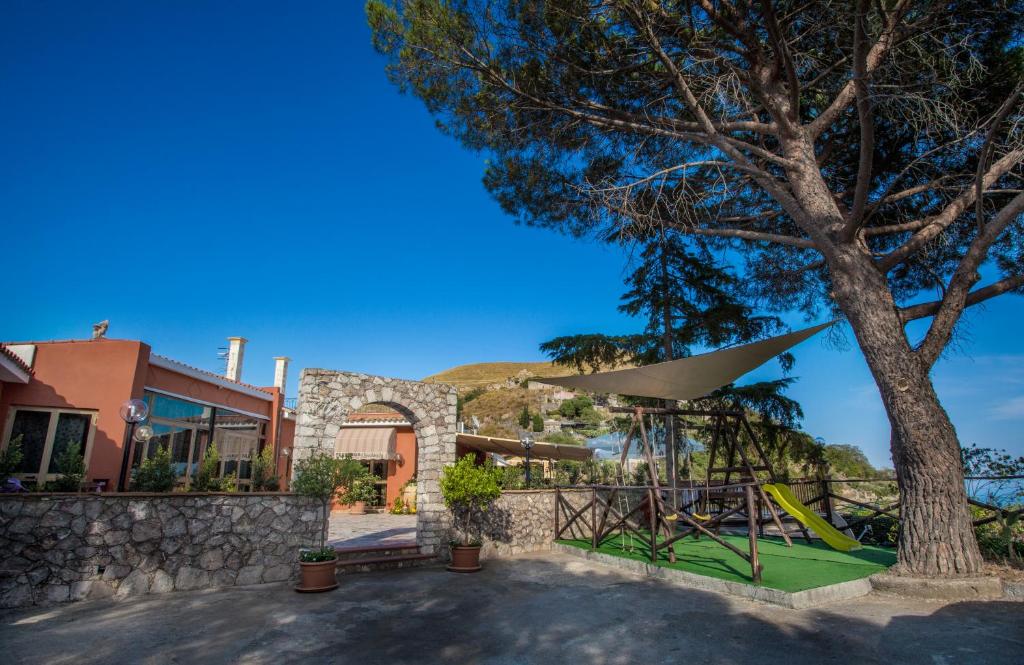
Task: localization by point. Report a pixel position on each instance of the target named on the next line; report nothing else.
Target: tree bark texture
(936, 534)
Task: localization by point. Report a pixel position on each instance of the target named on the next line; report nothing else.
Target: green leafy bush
(468, 490)
(318, 555)
(524, 418)
(362, 487)
(263, 477)
(10, 458)
(155, 474)
(71, 467)
(206, 478)
(1003, 539)
(538, 423)
(320, 476)
(398, 507)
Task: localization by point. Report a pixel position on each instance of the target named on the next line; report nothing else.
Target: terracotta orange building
(384, 441)
(56, 393)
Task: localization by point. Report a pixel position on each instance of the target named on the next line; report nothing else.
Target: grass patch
(798, 568)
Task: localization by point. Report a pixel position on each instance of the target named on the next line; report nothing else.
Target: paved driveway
(531, 609)
(372, 529)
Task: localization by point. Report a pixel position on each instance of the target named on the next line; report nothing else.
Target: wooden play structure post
(752, 522)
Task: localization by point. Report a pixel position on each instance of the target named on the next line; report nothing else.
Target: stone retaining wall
(524, 521)
(56, 548)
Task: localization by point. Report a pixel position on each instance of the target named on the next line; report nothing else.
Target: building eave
(209, 377)
(12, 370)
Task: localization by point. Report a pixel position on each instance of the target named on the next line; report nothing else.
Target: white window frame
(42, 475)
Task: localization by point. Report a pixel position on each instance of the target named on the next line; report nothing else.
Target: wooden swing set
(607, 511)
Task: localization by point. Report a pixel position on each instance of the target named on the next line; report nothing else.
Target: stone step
(367, 564)
(376, 551)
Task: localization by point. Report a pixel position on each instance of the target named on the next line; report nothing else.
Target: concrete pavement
(539, 608)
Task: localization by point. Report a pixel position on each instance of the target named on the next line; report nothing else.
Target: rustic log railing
(823, 491)
(650, 521)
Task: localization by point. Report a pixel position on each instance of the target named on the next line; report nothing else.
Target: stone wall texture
(326, 397)
(56, 548)
(524, 521)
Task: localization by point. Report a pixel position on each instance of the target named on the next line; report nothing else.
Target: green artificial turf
(798, 568)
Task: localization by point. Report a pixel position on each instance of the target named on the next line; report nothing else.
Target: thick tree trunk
(936, 535)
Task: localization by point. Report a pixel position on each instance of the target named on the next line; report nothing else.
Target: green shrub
(1001, 540)
(468, 490)
(538, 423)
(398, 507)
(11, 458)
(318, 555)
(524, 418)
(363, 487)
(263, 477)
(320, 476)
(508, 477)
(155, 474)
(71, 467)
(228, 483)
(205, 479)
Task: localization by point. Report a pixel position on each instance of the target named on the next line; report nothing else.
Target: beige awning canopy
(540, 450)
(366, 443)
(687, 378)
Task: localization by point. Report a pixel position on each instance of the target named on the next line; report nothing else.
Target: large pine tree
(865, 158)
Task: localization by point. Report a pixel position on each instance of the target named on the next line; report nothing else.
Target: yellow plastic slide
(835, 539)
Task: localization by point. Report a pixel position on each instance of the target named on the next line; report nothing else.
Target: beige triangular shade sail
(687, 378)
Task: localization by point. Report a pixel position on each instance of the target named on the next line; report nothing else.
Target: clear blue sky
(194, 170)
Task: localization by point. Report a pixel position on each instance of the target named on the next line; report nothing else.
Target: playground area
(798, 568)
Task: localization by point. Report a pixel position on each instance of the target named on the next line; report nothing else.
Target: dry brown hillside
(479, 375)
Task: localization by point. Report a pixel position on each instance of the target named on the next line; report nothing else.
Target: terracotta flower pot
(317, 576)
(357, 508)
(465, 559)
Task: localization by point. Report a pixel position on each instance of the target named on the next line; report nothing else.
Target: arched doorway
(328, 397)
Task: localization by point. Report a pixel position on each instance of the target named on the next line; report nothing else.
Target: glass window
(182, 426)
(32, 427)
(163, 407)
(187, 428)
(238, 439)
(45, 434)
(71, 428)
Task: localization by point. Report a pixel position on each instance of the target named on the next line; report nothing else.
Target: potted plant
(361, 490)
(468, 490)
(320, 476)
(409, 494)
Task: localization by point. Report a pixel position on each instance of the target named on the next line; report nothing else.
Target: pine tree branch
(926, 309)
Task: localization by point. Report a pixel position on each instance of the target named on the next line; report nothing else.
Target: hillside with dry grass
(480, 375)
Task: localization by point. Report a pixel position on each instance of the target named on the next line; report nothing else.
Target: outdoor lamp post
(133, 412)
(527, 441)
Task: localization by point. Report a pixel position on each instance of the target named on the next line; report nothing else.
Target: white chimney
(281, 372)
(236, 353)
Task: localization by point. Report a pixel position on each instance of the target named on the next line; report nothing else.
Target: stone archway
(326, 397)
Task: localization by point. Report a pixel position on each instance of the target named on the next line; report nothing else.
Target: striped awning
(366, 443)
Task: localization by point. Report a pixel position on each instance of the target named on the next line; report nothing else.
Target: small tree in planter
(320, 476)
(468, 491)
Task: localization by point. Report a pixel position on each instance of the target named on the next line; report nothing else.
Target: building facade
(71, 392)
